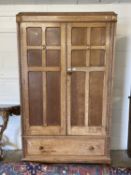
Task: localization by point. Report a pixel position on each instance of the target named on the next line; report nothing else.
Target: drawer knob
(91, 148)
(41, 148)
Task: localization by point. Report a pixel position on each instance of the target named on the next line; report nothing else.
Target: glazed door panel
(44, 73)
(87, 47)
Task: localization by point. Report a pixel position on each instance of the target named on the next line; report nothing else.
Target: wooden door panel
(34, 57)
(44, 74)
(53, 58)
(87, 77)
(34, 36)
(53, 99)
(95, 98)
(78, 36)
(77, 98)
(97, 58)
(35, 98)
(53, 36)
(98, 36)
(78, 58)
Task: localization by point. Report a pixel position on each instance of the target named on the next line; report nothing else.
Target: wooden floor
(119, 158)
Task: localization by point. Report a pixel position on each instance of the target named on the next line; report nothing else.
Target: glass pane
(78, 58)
(53, 36)
(52, 58)
(34, 57)
(34, 36)
(77, 98)
(35, 98)
(79, 36)
(95, 98)
(53, 98)
(98, 36)
(97, 58)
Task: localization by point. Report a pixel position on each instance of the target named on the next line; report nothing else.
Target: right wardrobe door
(88, 46)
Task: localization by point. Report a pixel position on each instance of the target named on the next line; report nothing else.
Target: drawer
(64, 146)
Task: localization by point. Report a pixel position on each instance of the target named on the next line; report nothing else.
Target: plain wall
(9, 77)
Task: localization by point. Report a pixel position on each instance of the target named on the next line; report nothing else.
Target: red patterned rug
(28, 168)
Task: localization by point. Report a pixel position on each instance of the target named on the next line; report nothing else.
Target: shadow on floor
(119, 158)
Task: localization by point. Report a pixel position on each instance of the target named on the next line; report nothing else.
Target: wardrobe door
(43, 69)
(87, 70)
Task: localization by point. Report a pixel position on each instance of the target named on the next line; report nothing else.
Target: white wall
(9, 86)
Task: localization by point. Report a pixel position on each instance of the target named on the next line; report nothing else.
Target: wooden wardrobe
(66, 67)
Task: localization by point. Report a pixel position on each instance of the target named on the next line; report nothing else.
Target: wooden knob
(41, 148)
(91, 148)
(43, 47)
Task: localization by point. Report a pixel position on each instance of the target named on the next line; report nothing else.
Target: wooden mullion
(63, 80)
(79, 47)
(87, 78)
(34, 47)
(44, 69)
(69, 79)
(53, 47)
(86, 97)
(44, 74)
(88, 47)
(44, 99)
(98, 47)
(43, 45)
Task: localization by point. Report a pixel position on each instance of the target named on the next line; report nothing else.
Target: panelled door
(44, 71)
(87, 50)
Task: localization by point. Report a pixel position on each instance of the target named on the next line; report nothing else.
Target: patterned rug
(28, 168)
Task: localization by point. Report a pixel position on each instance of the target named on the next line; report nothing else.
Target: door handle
(71, 69)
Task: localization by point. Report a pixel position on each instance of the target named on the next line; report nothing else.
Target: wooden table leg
(5, 112)
(5, 117)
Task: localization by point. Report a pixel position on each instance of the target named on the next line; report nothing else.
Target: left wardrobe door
(43, 78)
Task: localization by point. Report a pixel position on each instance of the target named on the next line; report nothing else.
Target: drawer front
(70, 147)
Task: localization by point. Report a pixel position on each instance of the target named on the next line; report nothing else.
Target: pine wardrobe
(66, 69)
